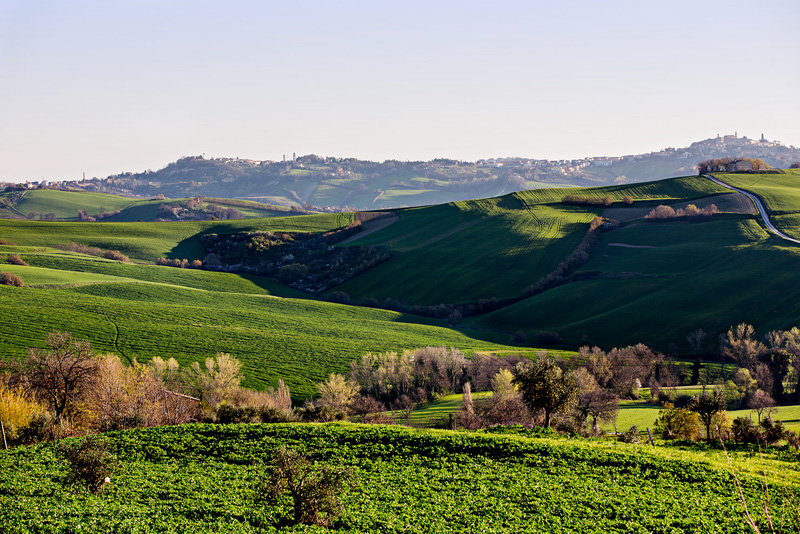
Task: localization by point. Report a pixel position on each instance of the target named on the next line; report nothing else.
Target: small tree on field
(544, 386)
(706, 406)
(761, 402)
(217, 381)
(314, 488)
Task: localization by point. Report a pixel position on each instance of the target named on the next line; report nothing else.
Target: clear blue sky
(110, 86)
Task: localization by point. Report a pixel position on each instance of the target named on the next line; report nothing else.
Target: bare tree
(761, 402)
(61, 373)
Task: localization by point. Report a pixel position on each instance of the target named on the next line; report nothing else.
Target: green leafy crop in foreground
(199, 478)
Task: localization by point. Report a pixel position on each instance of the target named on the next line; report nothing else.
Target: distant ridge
(335, 184)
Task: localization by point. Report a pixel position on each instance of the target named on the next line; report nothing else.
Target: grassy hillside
(781, 192)
(150, 241)
(657, 282)
(495, 247)
(200, 478)
(142, 311)
(66, 204)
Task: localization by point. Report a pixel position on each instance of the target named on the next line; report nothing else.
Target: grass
(298, 340)
(452, 253)
(65, 204)
(644, 415)
(200, 478)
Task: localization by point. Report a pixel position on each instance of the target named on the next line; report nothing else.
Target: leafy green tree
(544, 386)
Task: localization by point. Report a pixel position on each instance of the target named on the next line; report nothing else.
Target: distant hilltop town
(314, 183)
(727, 145)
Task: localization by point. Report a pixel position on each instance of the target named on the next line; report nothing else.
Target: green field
(149, 241)
(781, 192)
(66, 204)
(681, 276)
(479, 249)
(141, 311)
(200, 478)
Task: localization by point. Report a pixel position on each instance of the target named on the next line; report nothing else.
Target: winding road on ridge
(762, 209)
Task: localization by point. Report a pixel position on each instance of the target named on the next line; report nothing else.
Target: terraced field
(200, 478)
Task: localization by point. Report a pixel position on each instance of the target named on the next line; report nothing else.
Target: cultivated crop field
(656, 282)
(200, 478)
(141, 312)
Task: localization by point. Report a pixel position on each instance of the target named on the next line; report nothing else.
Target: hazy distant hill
(334, 184)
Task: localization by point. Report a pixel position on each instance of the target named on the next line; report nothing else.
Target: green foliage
(200, 478)
(544, 386)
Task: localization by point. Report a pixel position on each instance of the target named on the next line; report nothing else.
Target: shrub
(745, 431)
(292, 273)
(227, 413)
(322, 413)
(11, 279)
(314, 488)
(3, 242)
(16, 259)
(115, 255)
(90, 462)
(16, 410)
(677, 423)
(546, 337)
(627, 199)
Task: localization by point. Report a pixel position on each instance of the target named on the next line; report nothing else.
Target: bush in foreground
(314, 488)
(90, 462)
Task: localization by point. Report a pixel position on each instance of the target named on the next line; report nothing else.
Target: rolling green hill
(480, 249)
(64, 205)
(657, 282)
(150, 241)
(780, 192)
(147, 311)
(201, 478)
